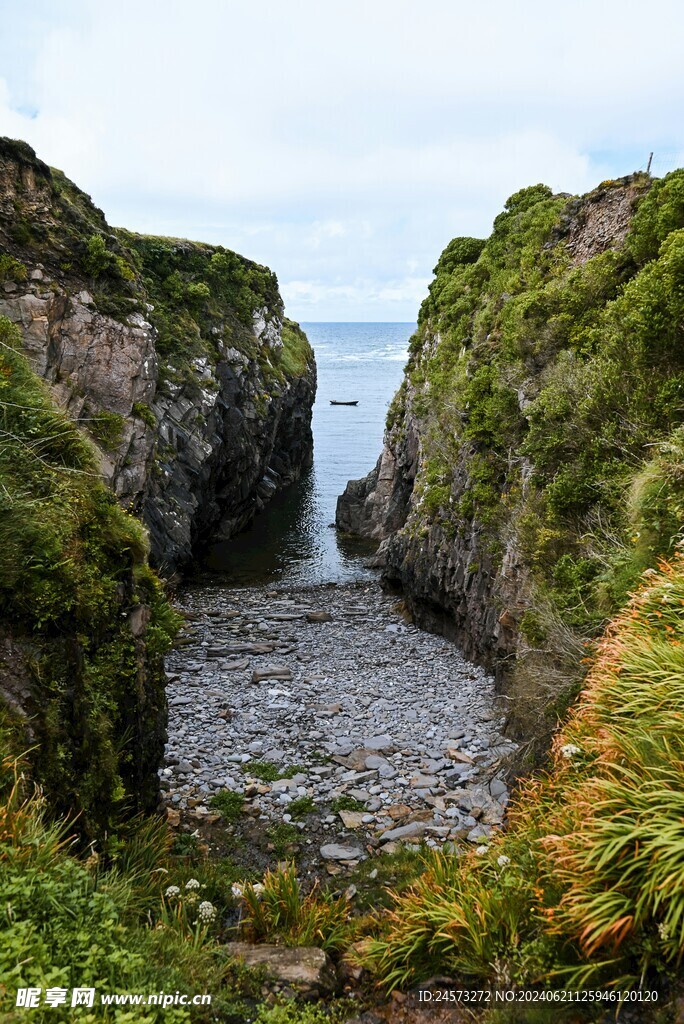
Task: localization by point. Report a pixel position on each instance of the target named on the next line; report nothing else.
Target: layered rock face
(534, 395)
(175, 356)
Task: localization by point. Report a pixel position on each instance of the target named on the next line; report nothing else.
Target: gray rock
(413, 830)
(383, 742)
(335, 851)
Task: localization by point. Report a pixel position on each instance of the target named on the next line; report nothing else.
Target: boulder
(305, 969)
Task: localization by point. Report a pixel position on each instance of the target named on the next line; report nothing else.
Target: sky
(343, 144)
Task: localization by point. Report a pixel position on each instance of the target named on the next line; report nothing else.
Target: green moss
(300, 807)
(296, 355)
(347, 803)
(267, 771)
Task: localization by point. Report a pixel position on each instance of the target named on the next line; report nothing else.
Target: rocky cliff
(531, 466)
(175, 356)
(167, 369)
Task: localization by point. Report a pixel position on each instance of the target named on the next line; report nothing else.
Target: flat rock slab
(383, 742)
(319, 617)
(413, 830)
(281, 672)
(352, 819)
(306, 968)
(335, 851)
(250, 649)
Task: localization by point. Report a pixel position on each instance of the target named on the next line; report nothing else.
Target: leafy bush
(97, 259)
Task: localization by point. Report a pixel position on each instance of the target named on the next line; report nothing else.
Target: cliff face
(84, 623)
(175, 356)
(516, 497)
(169, 369)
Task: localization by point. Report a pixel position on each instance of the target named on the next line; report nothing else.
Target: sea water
(293, 541)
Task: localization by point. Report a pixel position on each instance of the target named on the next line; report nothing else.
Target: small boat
(344, 403)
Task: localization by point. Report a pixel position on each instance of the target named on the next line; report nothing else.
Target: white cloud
(339, 143)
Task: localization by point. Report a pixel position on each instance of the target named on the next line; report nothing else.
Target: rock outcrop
(175, 356)
(528, 405)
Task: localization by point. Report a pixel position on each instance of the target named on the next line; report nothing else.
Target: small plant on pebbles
(347, 803)
(267, 771)
(300, 807)
(228, 804)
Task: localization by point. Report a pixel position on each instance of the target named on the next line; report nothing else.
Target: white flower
(237, 890)
(192, 883)
(503, 860)
(481, 850)
(206, 911)
(172, 890)
(663, 931)
(569, 750)
(258, 890)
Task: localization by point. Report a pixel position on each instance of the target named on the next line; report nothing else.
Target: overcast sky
(341, 143)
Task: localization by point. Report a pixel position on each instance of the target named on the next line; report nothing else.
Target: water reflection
(290, 540)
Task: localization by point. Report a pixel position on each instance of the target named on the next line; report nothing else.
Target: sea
(294, 541)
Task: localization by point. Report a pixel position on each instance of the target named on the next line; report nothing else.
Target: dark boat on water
(344, 403)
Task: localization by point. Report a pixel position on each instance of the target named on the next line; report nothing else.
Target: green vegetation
(380, 879)
(203, 296)
(144, 413)
(295, 357)
(279, 911)
(283, 837)
(127, 923)
(72, 572)
(11, 269)
(291, 1012)
(586, 887)
(106, 428)
(268, 771)
(228, 804)
(98, 260)
(347, 803)
(300, 807)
